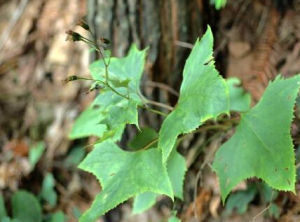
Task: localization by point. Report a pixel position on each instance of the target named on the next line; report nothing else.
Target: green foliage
(262, 145)
(144, 137)
(219, 3)
(58, 217)
(25, 207)
(239, 99)
(203, 95)
(174, 219)
(110, 112)
(48, 193)
(274, 210)
(240, 200)
(75, 156)
(3, 213)
(176, 168)
(35, 153)
(143, 202)
(123, 175)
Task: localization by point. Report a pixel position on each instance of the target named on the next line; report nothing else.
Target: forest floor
(38, 109)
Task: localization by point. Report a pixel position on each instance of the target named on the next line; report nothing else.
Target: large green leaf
(203, 95)
(262, 146)
(123, 175)
(25, 207)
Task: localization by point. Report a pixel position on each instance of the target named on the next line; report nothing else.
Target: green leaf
(110, 112)
(76, 213)
(267, 193)
(75, 156)
(262, 145)
(58, 217)
(239, 99)
(143, 202)
(174, 219)
(3, 213)
(88, 124)
(220, 3)
(106, 117)
(274, 210)
(203, 95)
(35, 153)
(176, 168)
(25, 207)
(127, 70)
(48, 192)
(123, 175)
(144, 137)
(240, 200)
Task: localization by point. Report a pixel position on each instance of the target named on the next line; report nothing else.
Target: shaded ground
(254, 41)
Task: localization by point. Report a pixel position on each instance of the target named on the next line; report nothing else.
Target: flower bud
(73, 36)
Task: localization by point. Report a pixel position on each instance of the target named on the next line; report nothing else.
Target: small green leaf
(239, 99)
(174, 219)
(262, 145)
(144, 137)
(48, 192)
(58, 217)
(2, 208)
(122, 70)
(25, 207)
(274, 211)
(220, 3)
(143, 202)
(106, 117)
(203, 95)
(75, 156)
(267, 192)
(123, 175)
(35, 153)
(240, 200)
(76, 212)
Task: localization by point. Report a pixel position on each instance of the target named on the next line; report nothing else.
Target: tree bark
(164, 26)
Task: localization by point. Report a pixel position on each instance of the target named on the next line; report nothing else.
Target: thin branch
(158, 104)
(184, 44)
(150, 144)
(162, 86)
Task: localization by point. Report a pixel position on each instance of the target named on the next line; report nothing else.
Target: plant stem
(153, 110)
(159, 104)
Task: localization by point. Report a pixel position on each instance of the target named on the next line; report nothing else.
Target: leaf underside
(262, 145)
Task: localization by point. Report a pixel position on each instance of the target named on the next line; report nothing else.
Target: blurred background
(254, 41)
